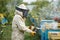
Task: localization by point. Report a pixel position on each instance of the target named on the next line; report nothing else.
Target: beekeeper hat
(22, 6)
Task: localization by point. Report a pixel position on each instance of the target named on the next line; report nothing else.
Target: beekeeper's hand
(33, 33)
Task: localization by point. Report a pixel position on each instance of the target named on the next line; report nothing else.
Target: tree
(7, 7)
(36, 12)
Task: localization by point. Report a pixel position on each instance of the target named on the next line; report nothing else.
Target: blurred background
(39, 10)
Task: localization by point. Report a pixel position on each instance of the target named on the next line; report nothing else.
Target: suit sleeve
(21, 25)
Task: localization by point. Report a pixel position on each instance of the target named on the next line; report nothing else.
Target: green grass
(7, 34)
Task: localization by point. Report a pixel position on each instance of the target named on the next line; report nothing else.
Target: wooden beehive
(58, 24)
(54, 36)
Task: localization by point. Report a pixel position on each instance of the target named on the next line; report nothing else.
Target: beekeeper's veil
(22, 10)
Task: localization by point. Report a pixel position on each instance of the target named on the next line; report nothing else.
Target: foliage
(6, 35)
(28, 21)
(7, 7)
(40, 3)
(36, 12)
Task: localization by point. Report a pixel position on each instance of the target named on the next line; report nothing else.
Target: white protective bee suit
(18, 25)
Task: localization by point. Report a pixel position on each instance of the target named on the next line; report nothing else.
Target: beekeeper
(18, 23)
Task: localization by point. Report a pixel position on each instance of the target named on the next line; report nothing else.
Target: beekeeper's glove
(33, 33)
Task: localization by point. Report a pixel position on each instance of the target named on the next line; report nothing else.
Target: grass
(7, 34)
